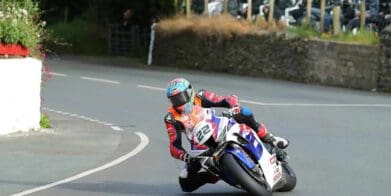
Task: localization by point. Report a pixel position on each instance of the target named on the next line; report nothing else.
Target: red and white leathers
(176, 123)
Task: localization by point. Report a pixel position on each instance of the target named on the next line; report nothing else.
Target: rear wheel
(240, 175)
(290, 177)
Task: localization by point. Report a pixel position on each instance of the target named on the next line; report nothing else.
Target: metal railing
(126, 40)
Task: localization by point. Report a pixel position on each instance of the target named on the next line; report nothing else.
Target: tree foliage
(105, 11)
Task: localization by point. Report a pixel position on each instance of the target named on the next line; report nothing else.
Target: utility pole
(362, 15)
(206, 11)
(176, 6)
(188, 8)
(249, 9)
(308, 17)
(322, 14)
(225, 6)
(336, 20)
(271, 11)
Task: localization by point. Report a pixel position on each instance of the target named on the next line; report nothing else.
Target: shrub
(20, 23)
(77, 36)
(44, 122)
(222, 26)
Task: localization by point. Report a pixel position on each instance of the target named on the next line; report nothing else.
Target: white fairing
(271, 168)
(202, 132)
(217, 125)
(268, 162)
(223, 129)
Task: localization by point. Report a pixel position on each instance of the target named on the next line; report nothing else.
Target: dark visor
(179, 99)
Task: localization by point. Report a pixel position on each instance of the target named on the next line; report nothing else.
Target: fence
(127, 41)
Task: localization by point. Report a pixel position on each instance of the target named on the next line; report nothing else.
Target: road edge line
(144, 141)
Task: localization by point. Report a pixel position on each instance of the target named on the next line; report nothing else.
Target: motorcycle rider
(183, 99)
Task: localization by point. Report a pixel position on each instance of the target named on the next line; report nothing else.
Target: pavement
(74, 144)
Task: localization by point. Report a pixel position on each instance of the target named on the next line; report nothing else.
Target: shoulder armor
(201, 93)
(169, 118)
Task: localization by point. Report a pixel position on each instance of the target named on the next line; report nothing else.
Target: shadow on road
(217, 194)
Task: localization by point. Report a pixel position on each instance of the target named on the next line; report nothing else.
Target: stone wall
(274, 56)
(385, 66)
(341, 64)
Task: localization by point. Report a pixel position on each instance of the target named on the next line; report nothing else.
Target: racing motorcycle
(237, 156)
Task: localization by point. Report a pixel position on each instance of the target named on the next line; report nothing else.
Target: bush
(77, 36)
(222, 26)
(20, 23)
(44, 122)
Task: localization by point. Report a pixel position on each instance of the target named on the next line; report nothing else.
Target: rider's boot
(275, 141)
(190, 179)
(280, 143)
(195, 181)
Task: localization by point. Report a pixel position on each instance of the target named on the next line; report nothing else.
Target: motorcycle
(237, 156)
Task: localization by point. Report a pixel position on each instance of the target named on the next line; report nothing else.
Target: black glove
(188, 159)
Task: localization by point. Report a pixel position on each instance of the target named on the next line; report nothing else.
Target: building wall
(20, 85)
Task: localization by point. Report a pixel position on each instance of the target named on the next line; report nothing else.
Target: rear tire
(290, 177)
(235, 170)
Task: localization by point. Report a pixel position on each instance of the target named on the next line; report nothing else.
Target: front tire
(240, 175)
(290, 177)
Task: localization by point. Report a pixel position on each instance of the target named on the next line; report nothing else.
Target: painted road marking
(100, 80)
(143, 143)
(144, 140)
(80, 116)
(115, 128)
(151, 87)
(57, 74)
(316, 104)
(289, 104)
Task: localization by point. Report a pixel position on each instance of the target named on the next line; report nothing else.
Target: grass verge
(44, 122)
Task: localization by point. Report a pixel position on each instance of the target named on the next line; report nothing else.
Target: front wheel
(290, 177)
(240, 175)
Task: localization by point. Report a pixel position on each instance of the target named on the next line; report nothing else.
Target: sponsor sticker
(277, 176)
(273, 159)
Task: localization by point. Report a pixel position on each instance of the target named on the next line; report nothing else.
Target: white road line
(100, 80)
(289, 104)
(151, 87)
(57, 74)
(326, 105)
(143, 143)
(315, 104)
(251, 102)
(81, 117)
(115, 128)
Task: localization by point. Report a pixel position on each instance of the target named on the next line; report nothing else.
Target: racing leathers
(191, 179)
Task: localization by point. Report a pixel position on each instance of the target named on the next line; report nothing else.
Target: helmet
(181, 95)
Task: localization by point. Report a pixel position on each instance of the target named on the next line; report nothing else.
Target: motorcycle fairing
(238, 153)
(267, 161)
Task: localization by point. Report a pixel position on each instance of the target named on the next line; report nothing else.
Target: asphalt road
(340, 138)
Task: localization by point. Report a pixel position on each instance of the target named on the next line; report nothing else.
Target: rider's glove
(276, 141)
(235, 110)
(188, 159)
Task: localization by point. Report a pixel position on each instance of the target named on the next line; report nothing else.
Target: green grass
(362, 37)
(304, 32)
(77, 37)
(44, 122)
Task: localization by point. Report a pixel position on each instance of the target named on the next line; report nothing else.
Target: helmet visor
(179, 99)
